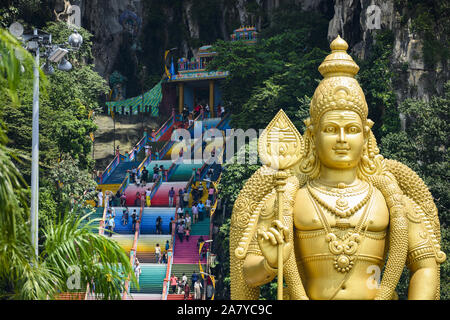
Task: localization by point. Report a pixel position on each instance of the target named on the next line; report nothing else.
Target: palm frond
(74, 245)
(12, 58)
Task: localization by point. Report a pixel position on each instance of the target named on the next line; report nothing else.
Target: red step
(177, 297)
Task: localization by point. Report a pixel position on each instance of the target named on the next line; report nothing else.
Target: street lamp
(52, 54)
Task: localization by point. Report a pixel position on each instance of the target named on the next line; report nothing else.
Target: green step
(151, 279)
(178, 269)
(201, 228)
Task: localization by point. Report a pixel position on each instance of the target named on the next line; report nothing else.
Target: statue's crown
(339, 61)
(339, 89)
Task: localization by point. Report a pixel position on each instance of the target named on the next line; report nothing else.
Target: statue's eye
(353, 129)
(330, 129)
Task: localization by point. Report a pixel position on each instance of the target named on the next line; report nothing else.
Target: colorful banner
(151, 98)
(199, 260)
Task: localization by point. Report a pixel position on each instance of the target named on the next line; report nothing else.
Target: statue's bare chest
(313, 210)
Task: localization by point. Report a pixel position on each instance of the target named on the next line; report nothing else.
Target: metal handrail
(133, 250)
(166, 125)
(109, 169)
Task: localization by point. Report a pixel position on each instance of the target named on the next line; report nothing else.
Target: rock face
(101, 18)
(357, 21)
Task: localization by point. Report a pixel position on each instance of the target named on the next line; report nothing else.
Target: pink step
(186, 252)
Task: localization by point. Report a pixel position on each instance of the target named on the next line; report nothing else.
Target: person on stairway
(125, 216)
(171, 196)
(159, 225)
(148, 194)
(158, 253)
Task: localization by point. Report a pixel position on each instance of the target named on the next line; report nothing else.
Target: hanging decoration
(151, 98)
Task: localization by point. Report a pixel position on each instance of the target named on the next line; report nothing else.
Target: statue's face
(339, 139)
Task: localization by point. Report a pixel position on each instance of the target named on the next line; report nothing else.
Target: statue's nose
(341, 136)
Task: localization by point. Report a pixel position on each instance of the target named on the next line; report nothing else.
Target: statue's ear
(367, 129)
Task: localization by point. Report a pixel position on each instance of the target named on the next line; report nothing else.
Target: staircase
(149, 216)
(177, 296)
(201, 228)
(186, 252)
(146, 246)
(151, 279)
(143, 296)
(120, 172)
(179, 269)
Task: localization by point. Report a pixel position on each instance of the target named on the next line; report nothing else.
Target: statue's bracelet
(268, 268)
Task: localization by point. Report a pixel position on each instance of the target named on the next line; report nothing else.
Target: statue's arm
(256, 270)
(421, 260)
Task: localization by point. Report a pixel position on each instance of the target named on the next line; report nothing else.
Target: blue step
(120, 172)
(148, 224)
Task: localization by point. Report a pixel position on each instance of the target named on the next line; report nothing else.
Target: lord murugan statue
(328, 215)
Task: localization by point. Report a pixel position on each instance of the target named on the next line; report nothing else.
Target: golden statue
(326, 212)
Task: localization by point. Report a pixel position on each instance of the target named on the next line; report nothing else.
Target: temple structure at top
(194, 84)
(247, 34)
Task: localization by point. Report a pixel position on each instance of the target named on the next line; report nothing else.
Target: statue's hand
(270, 238)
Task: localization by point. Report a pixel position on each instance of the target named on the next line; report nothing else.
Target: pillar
(181, 97)
(211, 97)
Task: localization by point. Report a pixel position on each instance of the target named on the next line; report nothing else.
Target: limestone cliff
(187, 24)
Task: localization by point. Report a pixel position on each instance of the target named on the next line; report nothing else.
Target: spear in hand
(280, 146)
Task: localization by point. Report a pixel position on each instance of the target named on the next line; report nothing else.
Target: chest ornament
(343, 245)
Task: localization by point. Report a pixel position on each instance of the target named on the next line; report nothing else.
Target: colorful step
(150, 296)
(183, 171)
(145, 250)
(148, 224)
(161, 197)
(151, 279)
(187, 269)
(201, 228)
(186, 252)
(132, 190)
(120, 172)
(124, 240)
(178, 297)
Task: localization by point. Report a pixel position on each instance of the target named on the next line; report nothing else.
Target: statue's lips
(341, 151)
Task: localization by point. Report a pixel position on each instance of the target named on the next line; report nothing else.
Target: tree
(72, 242)
(274, 72)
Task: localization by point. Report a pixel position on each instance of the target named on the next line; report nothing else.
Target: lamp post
(52, 53)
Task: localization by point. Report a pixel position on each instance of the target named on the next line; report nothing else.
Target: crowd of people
(182, 286)
(202, 110)
(186, 215)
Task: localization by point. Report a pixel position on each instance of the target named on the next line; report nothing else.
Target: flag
(165, 66)
(172, 70)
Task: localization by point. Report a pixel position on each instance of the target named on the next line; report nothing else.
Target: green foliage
(66, 100)
(274, 72)
(13, 59)
(424, 146)
(30, 12)
(234, 176)
(222, 269)
(69, 182)
(60, 34)
(72, 244)
(375, 78)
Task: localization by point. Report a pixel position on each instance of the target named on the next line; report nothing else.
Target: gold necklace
(346, 191)
(345, 247)
(341, 210)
